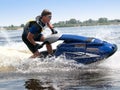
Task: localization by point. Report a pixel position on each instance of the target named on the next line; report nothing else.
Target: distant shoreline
(90, 22)
(21, 28)
(72, 23)
(18, 28)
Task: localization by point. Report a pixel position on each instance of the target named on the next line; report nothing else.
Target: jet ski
(84, 50)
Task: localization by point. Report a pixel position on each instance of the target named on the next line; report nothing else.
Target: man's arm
(30, 38)
(52, 28)
(50, 25)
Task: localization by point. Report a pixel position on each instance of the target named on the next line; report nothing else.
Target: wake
(17, 60)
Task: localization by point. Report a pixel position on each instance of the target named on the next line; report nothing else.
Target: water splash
(112, 62)
(5, 35)
(18, 61)
(14, 58)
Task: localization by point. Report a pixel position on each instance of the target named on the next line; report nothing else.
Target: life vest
(30, 23)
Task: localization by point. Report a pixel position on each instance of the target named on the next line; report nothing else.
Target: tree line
(13, 27)
(74, 23)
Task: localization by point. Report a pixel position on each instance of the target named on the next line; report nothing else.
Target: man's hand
(54, 31)
(38, 46)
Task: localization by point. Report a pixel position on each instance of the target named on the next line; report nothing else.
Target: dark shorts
(27, 42)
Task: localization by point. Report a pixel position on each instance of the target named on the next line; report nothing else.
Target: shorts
(30, 45)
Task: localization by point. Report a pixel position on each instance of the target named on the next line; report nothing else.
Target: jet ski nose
(114, 47)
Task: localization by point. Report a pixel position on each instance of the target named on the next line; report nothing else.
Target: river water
(17, 72)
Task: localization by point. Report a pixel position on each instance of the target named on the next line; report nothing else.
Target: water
(17, 72)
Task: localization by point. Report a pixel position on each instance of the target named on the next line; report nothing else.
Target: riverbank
(89, 22)
(7, 28)
(72, 23)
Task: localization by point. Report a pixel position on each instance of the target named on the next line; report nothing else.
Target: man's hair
(45, 12)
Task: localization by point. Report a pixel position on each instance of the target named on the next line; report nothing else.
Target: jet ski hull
(84, 50)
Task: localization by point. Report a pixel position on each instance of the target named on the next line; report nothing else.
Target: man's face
(47, 18)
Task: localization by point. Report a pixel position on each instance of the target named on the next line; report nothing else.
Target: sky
(17, 12)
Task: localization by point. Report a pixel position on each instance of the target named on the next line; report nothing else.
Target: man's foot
(41, 56)
(35, 55)
(50, 55)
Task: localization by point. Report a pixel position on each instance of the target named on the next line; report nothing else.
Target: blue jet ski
(84, 50)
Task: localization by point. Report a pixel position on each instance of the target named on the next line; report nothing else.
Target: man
(32, 33)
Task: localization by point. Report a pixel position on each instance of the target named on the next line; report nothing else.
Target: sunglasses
(49, 16)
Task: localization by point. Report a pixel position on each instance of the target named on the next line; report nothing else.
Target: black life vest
(29, 24)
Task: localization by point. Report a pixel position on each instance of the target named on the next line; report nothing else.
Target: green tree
(102, 20)
(73, 21)
(22, 25)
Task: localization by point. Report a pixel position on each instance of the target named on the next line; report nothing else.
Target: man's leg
(49, 48)
(31, 47)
